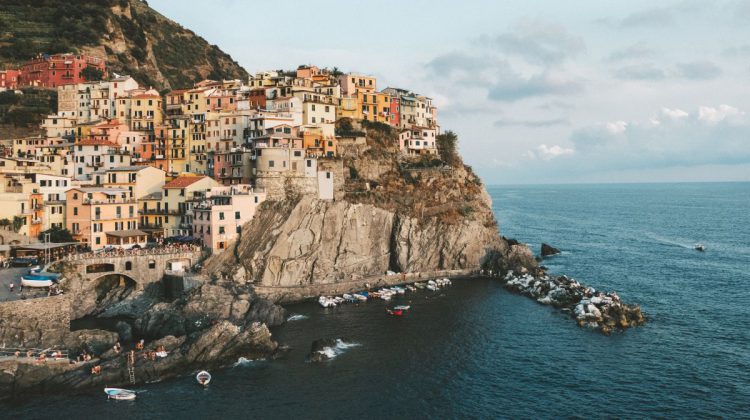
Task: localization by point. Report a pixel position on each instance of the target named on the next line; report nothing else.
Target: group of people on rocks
(140, 346)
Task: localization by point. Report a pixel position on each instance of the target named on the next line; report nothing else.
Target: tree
(17, 223)
(447, 144)
(57, 234)
(92, 74)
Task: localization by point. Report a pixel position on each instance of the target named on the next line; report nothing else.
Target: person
(11, 286)
(96, 370)
(86, 357)
(18, 353)
(139, 345)
(117, 347)
(29, 354)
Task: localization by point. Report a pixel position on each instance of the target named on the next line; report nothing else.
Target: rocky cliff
(392, 214)
(135, 39)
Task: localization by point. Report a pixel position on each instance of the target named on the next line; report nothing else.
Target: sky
(537, 91)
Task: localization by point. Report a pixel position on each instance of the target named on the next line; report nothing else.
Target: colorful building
(56, 70)
(219, 218)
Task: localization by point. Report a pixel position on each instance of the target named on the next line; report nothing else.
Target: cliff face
(389, 216)
(135, 39)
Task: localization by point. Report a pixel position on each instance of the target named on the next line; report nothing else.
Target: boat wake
(296, 317)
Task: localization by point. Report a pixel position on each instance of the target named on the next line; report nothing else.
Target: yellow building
(374, 106)
(175, 197)
(146, 111)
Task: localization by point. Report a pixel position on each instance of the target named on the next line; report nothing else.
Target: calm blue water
(477, 351)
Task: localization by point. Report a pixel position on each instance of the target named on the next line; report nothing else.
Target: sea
(474, 350)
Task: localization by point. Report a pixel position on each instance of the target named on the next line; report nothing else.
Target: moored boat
(402, 307)
(120, 394)
(36, 281)
(203, 378)
(700, 247)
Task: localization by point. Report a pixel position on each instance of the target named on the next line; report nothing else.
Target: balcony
(101, 202)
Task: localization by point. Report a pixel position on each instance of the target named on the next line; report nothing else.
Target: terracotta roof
(177, 91)
(146, 95)
(183, 181)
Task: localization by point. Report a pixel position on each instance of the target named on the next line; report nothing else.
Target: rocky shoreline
(602, 311)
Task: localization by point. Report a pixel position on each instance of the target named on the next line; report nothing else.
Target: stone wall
(39, 323)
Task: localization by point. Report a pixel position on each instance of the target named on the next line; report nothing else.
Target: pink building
(218, 219)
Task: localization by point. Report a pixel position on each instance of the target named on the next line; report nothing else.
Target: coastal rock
(124, 331)
(322, 350)
(548, 250)
(225, 341)
(602, 311)
(93, 341)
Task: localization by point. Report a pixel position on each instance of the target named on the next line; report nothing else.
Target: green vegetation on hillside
(136, 40)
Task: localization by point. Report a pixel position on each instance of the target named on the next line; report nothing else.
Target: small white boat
(432, 287)
(120, 394)
(35, 281)
(203, 378)
(361, 298)
(326, 302)
(402, 308)
(411, 288)
(700, 247)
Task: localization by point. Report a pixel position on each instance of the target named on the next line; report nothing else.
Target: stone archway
(112, 288)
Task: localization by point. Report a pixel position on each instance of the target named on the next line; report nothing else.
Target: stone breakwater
(589, 307)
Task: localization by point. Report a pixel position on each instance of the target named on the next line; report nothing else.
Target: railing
(121, 201)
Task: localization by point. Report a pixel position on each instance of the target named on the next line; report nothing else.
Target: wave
(243, 361)
(340, 347)
(296, 317)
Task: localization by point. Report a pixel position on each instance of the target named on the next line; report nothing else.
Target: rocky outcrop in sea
(603, 311)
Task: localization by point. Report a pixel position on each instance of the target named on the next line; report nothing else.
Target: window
(98, 240)
(128, 265)
(221, 215)
(221, 230)
(75, 211)
(328, 175)
(151, 264)
(237, 215)
(297, 153)
(270, 164)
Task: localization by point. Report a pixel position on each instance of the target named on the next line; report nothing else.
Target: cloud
(456, 62)
(637, 50)
(710, 136)
(545, 152)
(650, 17)
(698, 70)
(538, 42)
(738, 51)
(674, 114)
(715, 115)
(646, 71)
(544, 84)
(531, 123)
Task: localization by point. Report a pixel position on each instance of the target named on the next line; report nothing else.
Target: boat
(36, 281)
(700, 247)
(120, 394)
(360, 297)
(326, 302)
(411, 288)
(402, 307)
(395, 312)
(420, 285)
(203, 378)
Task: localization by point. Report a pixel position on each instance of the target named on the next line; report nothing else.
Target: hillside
(420, 217)
(136, 40)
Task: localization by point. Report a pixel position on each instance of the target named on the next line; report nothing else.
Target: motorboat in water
(203, 378)
(395, 312)
(326, 302)
(402, 307)
(120, 394)
(700, 247)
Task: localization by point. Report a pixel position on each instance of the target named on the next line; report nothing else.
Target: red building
(395, 111)
(257, 99)
(59, 69)
(9, 79)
